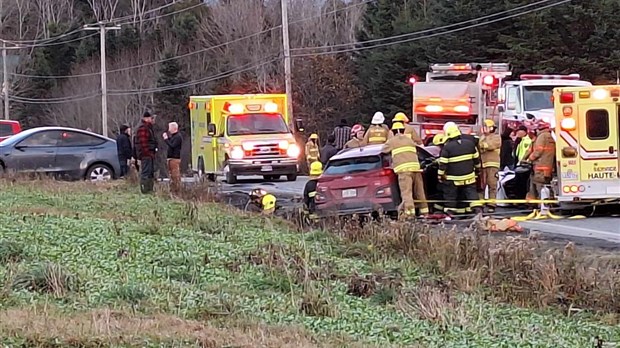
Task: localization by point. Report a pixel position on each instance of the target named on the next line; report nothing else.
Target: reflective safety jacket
(310, 194)
(377, 134)
(543, 153)
(404, 154)
(459, 161)
(312, 151)
(489, 148)
(411, 131)
(355, 142)
(523, 149)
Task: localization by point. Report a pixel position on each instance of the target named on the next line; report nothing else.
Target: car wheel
(99, 172)
(2, 170)
(231, 178)
(291, 177)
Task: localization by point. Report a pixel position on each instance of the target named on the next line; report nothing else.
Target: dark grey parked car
(62, 152)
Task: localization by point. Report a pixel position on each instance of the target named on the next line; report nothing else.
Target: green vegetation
(85, 265)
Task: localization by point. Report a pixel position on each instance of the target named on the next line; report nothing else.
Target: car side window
(41, 139)
(79, 139)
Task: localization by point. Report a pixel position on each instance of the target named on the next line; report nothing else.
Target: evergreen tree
(172, 103)
(383, 72)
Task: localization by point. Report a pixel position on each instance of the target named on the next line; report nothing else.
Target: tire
(99, 172)
(291, 177)
(2, 169)
(231, 178)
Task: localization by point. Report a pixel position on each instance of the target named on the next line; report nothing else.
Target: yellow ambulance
(235, 135)
(587, 131)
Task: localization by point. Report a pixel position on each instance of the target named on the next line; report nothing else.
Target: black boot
(151, 185)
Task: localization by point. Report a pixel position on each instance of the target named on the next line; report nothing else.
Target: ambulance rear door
(598, 150)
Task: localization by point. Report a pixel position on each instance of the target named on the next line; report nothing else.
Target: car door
(76, 151)
(36, 153)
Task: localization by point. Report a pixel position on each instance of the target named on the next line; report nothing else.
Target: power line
(137, 66)
(62, 100)
(425, 30)
(355, 49)
(35, 42)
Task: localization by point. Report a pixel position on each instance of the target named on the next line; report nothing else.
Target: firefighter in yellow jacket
(312, 149)
(407, 167)
(542, 158)
(490, 144)
(357, 137)
(409, 129)
(378, 132)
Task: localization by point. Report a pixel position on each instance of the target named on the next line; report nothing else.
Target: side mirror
(211, 129)
(501, 108)
(299, 125)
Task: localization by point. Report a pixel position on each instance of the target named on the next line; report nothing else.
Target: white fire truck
(531, 97)
(464, 93)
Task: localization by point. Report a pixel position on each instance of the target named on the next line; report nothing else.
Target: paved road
(605, 229)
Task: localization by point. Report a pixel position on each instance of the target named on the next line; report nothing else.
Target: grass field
(84, 265)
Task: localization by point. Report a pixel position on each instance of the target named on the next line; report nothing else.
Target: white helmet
(448, 125)
(378, 118)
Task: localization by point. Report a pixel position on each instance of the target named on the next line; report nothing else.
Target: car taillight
(384, 192)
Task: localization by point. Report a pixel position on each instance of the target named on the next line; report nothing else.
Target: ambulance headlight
(600, 94)
(237, 153)
(293, 151)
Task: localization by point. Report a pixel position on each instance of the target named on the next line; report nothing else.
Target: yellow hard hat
(489, 123)
(400, 117)
(314, 136)
(452, 131)
(439, 139)
(397, 126)
(268, 201)
(316, 168)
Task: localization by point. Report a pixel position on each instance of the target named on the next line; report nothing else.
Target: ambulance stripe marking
(585, 154)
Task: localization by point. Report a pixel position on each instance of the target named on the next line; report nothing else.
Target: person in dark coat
(329, 150)
(506, 152)
(146, 150)
(124, 148)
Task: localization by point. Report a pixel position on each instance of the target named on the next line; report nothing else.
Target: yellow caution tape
(486, 201)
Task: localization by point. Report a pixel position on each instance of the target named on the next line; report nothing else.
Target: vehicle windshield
(538, 97)
(256, 124)
(353, 165)
(6, 130)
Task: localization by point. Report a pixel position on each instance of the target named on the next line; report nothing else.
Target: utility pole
(287, 59)
(5, 83)
(103, 28)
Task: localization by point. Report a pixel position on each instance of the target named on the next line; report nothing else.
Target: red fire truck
(464, 93)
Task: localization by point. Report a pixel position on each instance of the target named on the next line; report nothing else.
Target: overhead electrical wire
(246, 68)
(137, 66)
(431, 30)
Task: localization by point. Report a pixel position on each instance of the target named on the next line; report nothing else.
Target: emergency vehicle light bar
(549, 77)
(469, 67)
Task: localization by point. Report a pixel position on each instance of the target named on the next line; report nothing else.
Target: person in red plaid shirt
(146, 149)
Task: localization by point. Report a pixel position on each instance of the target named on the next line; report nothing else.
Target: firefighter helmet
(542, 124)
(448, 125)
(400, 117)
(397, 126)
(378, 118)
(357, 128)
(489, 123)
(316, 168)
(439, 139)
(314, 136)
(268, 202)
(453, 131)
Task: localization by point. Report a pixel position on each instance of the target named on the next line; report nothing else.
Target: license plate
(349, 193)
(266, 168)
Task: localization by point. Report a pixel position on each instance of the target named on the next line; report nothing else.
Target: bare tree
(103, 9)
